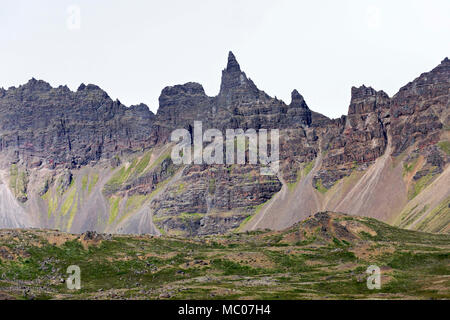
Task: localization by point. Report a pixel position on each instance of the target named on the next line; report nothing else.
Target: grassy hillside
(323, 257)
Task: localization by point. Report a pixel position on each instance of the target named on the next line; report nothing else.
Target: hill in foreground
(323, 257)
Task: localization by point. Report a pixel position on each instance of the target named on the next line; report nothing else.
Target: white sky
(133, 49)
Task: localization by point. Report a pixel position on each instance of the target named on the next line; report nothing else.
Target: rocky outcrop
(236, 88)
(421, 109)
(53, 127)
(357, 139)
(208, 199)
(239, 104)
(179, 107)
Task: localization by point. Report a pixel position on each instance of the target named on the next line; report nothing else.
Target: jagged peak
(89, 87)
(366, 99)
(140, 106)
(442, 67)
(297, 100)
(187, 88)
(296, 96)
(95, 90)
(363, 92)
(236, 82)
(143, 109)
(232, 65)
(439, 73)
(35, 84)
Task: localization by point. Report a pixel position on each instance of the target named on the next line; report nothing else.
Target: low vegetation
(323, 257)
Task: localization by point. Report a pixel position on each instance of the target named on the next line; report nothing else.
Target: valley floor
(324, 257)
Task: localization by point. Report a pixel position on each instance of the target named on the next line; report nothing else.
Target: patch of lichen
(18, 182)
(93, 181)
(69, 201)
(113, 208)
(419, 185)
(320, 187)
(438, 219)
(127, 173)
(445, 146)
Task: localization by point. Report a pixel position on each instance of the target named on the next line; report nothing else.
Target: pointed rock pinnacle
(232, 64)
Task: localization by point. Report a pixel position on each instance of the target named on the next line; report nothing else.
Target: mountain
(79, 161)
(325, 256)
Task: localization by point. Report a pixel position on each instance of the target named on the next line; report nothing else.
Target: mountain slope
(79, 161)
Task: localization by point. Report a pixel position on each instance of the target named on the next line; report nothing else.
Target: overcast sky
(133, 49)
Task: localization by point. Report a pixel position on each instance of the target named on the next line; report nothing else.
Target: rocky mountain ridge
(80, 161)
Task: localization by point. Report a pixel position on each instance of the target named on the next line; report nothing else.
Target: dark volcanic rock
(57, 129)
(236, 87)
(298, 111)
(56, 126)
(417, 109)
(210, 193)
(179, 107)
(239, 104)
(358, 138)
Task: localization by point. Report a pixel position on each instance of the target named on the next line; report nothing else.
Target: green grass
(93, 182)
(256, 209)
(137, 168)
(135, 201)
(445, 146)
(18, 181)
(84, 182)
(307, 169)
(143, 163)
(228, 267)
(405, 260)
(180, 188)
(409, 217)
(288, 262)
(113, 209)
(189, 215)
(409, 166)
(212, 186)
(13, 174)
(160, 160)
(52, 203)
(68, 202)
(73, 211)
(254, 265)
(243, 223)
(419, 185)
(320, 187)
(438, 219)
(120, 177)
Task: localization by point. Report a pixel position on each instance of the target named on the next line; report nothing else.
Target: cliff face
(80, 161)
(41, 125)
(357, 139)
(420, 109)
(239, 104)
